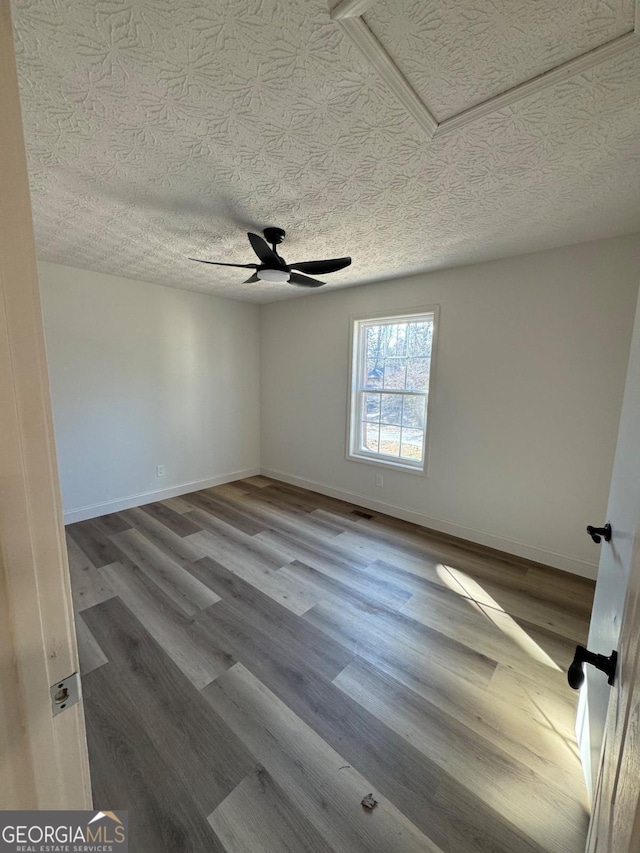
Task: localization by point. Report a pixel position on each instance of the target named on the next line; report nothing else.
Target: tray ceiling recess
(390, 33)
(158, 131)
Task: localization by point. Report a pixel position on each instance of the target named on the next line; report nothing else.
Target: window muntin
(390, 388)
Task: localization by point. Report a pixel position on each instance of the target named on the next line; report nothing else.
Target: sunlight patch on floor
(480, 599)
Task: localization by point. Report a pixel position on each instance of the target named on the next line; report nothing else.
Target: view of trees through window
(394, 366)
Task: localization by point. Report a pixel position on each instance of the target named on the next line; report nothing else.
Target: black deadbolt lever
(600, 533)
(605, 664)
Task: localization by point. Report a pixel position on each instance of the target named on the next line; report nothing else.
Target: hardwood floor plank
(269, 498)
(228, 545)
(174, 580)
(562, 606)
(558, 647)
(94, 541)
(244, 614)
(259, 480)
(308, 553)
(331, 560)
(542, 809)
(258, 817)
(282, 518)
(289, 592)
(422, 565)
(536, 607)
(176, 504)
(377, 634)
(491, 632)
(564, 587)
(113, 522)
(206, 756)
(421, 549)
(395, 535)
(89, 586)
(538, 611)
(184, 641)
(223, 510)
(172, 520)
(310, 547)
(181, 549)
(130, 771)
(229, 490)
(77, 558)
(412, 582)
(447, 549)
(318, 780)
(283, 500)
(545, 702)
(362, 587)
(90, 654)
(512, 573)
(309, 501)
(520, 731)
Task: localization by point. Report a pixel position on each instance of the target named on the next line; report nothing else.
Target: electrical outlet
(379, 481)
(160, 471)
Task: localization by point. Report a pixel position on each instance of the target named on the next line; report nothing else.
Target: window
(390, 388)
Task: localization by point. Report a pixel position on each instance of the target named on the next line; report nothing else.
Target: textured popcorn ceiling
(159, 129)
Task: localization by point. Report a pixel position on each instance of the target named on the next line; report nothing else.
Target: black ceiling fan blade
(262, 250)
(221, 264)
(304, 280)
(322, 267)
(251, 279)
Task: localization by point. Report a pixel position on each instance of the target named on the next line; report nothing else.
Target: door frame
(45, 760)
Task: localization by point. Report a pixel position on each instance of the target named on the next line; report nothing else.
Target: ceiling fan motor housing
(275, 236)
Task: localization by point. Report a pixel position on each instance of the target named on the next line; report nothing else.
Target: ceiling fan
(276, 269)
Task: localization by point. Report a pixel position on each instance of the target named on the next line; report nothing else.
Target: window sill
(382, 462)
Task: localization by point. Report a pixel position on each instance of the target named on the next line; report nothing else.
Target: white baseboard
(565, 562)
(95, 510)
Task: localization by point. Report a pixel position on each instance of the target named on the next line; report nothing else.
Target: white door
(44, 757)
(616, 561)
(615, 825)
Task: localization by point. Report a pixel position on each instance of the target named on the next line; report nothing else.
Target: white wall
(143, 375)
(529, 378)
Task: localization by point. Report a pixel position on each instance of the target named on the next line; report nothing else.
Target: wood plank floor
(257, 658)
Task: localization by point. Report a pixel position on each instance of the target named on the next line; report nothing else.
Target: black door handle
(600, 533)
(575, 675)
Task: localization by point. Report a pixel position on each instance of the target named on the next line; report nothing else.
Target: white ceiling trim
(578, 65)
(348, 15)
(350, 8)
(360, 34)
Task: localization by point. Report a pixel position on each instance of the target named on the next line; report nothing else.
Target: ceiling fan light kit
(277, 276)
(273, 268)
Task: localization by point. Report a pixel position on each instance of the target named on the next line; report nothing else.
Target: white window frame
(357, 324)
